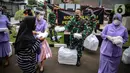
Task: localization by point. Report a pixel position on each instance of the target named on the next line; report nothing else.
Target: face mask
(116, 22)
(77, 17)
(40, 17)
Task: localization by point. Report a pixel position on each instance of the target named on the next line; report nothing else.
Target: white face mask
(40, 17)
(116, 22)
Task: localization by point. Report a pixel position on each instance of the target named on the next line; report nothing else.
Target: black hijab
(25, 36)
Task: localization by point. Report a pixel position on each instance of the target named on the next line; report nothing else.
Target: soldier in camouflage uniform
(52, 22)
(77, 25)
(91, 24)
(91, 21)
(81, 26)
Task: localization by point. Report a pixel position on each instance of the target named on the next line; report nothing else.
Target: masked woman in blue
(114, 36)
(4, 38)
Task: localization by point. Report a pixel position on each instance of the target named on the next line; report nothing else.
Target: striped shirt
(26, 59)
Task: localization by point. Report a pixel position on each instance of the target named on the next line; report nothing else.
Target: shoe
(6, 63)
(41, 71)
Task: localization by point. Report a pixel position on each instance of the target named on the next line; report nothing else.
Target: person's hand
(57, 28)
(118, 40)
(35, 33)
(62, 29)
(110, 38)
(41, 39)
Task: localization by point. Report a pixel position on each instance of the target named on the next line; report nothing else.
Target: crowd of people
(31, 51)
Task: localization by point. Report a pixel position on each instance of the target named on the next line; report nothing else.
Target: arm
(84, 33)
(52, 18)
(70, 23)
(45, 26)
(94, 24)
(125, 37)
(66, 27)
(33, 48)
(81, 34)
(8, 23)
(104, 32)
(35, 32)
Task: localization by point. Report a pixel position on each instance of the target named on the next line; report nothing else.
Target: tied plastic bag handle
(93, 32)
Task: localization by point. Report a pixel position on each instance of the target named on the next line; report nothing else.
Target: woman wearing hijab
(26, 46)
(4, 38)
(111, 49)
(41, 26)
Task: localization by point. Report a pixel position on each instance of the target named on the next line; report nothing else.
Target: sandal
(41, 71)
(6, 63)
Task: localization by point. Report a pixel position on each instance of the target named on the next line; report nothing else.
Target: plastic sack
(118, 41)
(91, 42)
(43, 35)
(59, 29)
(77, 35)
(67, 56)
(126, 56)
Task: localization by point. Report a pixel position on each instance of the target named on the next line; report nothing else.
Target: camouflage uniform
(79, 26)
(91, 24)
(52, 20)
